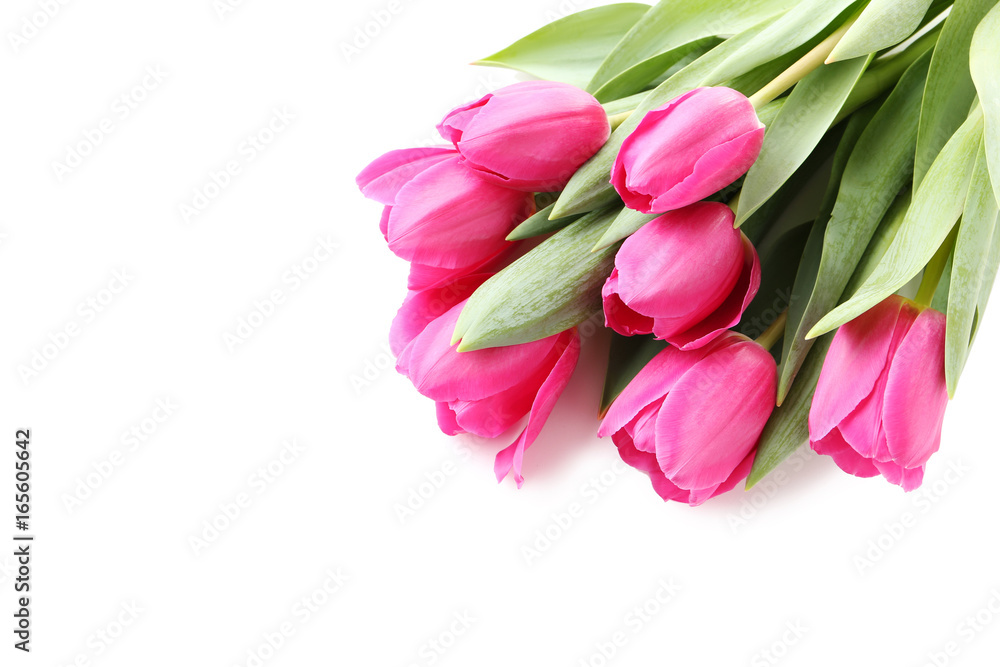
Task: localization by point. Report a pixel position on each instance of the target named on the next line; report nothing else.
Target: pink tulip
(691, 147)
(437, 212)
(685, 277)
(529, 136)
(691, 420)
(880, 401)
(484, 392)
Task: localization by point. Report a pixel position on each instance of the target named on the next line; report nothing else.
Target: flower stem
(618, 119)
(774, 332)
(802, 67)
(935, 270)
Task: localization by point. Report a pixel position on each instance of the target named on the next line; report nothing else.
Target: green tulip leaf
(949, 91)
(672, 23)
(590, 187)
(936, 206)
(872, 169)
(972, 246)
(776, 276)
(628, 356)
(571, 48)
(555, 286)
(882, 24)
(880, 242)
(806, 116)
(538, 224)
(788, 427)
(801, 23)
(637, 77)
(627, 223)
(983, 61)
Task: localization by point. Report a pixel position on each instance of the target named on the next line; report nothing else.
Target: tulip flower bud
(685, 277)
(529, 136)
(691, 420)
(881, 397)
(483, 392)
(437, 212)
(688, 149)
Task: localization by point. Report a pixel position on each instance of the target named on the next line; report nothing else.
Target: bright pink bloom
(691, 420)
(881, 397)
(484, 392)
(691, 147)
(529, 136)
(685, 277)
(437, 212)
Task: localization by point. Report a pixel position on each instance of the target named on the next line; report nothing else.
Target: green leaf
(806, 116)
(637, 77)
(989, 276)
(880, 242)
(788, 427)
(777, 274)
(590, 188)
(671, 23)
(553, 287)
(571, 48)
(539, 224)
(972, 246)
(627, 223)
(949, 91)
(939, 301)
(984, 59)
(628, 356)
(794, 28)
(936, 206)
(882, 24)
(879, 163)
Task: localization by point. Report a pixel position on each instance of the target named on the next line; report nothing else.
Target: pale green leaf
(796, 27)
(571, 48)
(555, 286)
(671, 23)
(802, 122)
(590, 187)
(639, 76)
(879, 164)
(936, 207)
(949, 91)
(788, 427)
(985, 63)
(975, 232)
(882, 24)
(538, 224)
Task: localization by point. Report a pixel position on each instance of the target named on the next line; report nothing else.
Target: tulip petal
(382, 179)
(618, 316)
(857, 356)
(446, 419)
(714, 415)
(646, 463)
(441, 373)
(511, 457)
(681, 266)
(848, 460)
(908, 478)
(718, 167)
(448, 217)
(730, 312)
(454, 124)
(421, 308)
(916, 394)
(651, 384)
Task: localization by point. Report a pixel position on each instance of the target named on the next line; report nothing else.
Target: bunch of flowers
(655, 175)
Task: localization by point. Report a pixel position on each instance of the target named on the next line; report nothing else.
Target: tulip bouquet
(785, 211)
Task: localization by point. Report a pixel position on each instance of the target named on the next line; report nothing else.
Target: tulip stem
(935, 270)
(802, 67)
(618, 119)
(774, 332)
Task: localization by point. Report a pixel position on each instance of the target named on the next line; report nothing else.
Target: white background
(744, 567)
